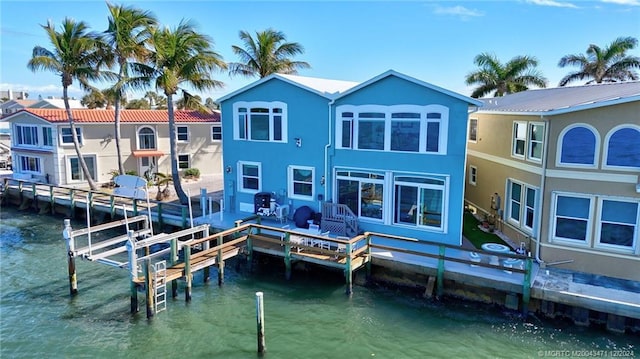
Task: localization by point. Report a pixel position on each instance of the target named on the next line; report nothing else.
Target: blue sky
(434, 41)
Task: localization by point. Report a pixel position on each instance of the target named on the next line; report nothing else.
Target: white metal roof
(553, 101)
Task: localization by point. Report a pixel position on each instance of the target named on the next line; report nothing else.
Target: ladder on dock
(160, 285)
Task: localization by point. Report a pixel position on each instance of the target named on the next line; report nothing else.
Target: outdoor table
(496, 248)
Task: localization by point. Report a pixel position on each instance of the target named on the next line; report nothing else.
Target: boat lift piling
(71, 258)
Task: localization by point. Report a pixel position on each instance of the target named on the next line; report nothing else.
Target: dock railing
(161, 212)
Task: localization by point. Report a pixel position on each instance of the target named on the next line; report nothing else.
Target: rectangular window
(76, 170)
(433, 136)
(618, 224)
(260, 121)
(419, 202)
(346, 138)
(571, 218)
(473, 130)
(301, 182)
(66, 138)
(371, 130)
(536, 136)
(473, 175)
(242, 124)
(47, 137)
(183, 133)
(362, 192)
(249, 177)
(519, 138)
(405, 132)
(26, 135)
(216, 133)
(184, 162)
(521, 205)
(29, 164)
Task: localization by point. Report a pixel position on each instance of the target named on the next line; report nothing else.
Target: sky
(433, 41)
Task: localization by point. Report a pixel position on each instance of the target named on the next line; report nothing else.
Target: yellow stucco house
(42, 146)
(558, 169)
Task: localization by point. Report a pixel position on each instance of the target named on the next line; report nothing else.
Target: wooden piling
(260, 322)
(187, 272)
(172, 261)
(348, 270)
(71, 258)
(526, 286)
(287, 256)
(148, 279)
(440, 281)
(220, 262)
(133, 272)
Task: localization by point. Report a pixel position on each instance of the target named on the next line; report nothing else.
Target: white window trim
(240, 177)
(445, 198)
(596, 156)
(605, 155)
(68, 167)
(188, 134)
(188, 161)
(473, 175)
(514, 138)
(469, 131)
(388, 110)
(211, 133)
(522, 222)
(386, 208)
(155, 136)
(67, 144)
(23, 145)
(598, 227)
(552, 223)
(263, 104)
(530, 141)
(290, 186)
(22, 170)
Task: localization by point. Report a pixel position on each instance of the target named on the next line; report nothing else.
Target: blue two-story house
(385, 155)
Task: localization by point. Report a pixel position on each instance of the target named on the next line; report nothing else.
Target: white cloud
(624, 2)
(553, 3)
(457, 11)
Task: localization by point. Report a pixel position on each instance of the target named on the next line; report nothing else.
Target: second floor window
(66, 137)
(473, 130)
(146, 139)
(260, 121)
(528, 140)
(406, 128)
(623, 147)
(183, 133)
(26, 135)
(216, 133)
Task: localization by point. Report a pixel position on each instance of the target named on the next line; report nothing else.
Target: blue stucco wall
(396, 91)
(308, 119)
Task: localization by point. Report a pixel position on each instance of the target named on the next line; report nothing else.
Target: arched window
(623, 147)
(578, 146)
(146, 139)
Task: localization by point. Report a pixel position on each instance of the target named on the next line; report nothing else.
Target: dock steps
(160, 285)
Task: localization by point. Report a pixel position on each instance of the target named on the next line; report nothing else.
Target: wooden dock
(48, 198)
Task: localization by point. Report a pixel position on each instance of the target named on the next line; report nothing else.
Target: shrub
(191, 173)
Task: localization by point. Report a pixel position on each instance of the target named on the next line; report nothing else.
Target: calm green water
(307, 317)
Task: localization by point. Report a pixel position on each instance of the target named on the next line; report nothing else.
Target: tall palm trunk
(76, 145)
(175, 175)
(117, 121)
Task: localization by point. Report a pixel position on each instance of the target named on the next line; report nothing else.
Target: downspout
(543, 179)
(326, 155)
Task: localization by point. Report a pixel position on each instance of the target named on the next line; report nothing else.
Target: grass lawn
(475, 235)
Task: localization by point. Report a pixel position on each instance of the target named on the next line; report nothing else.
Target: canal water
(306, 317)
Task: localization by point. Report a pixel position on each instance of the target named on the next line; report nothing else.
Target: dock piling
(260, 322)
(133, 272)
(187, 272)
(150, 286)
(71, 258)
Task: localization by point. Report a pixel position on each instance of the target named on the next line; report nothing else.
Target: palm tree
(268, 53)
(182, 56)
(156, 101)
(610, 64)
(127, 34)
(101, 99)
(514, 76)
(77, 54)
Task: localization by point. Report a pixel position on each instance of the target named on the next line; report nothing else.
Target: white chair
(281, 213)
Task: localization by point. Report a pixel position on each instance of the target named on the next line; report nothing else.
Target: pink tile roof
(126, 116)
